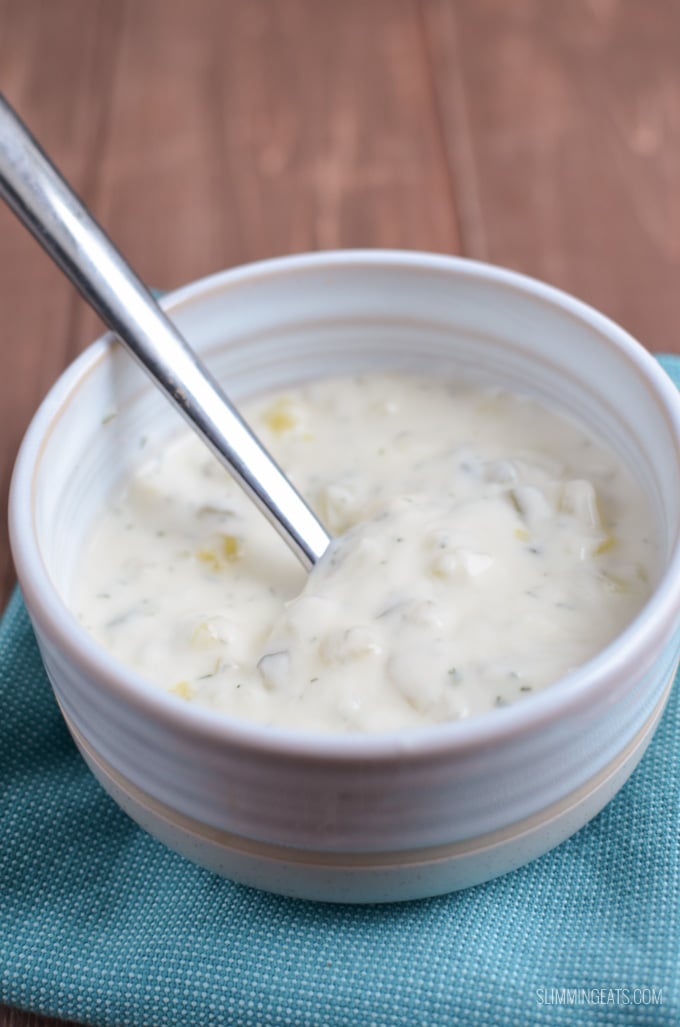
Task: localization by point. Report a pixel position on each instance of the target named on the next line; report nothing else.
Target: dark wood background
(539, 134)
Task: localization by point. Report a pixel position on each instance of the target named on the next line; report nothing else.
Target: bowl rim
(639, 644)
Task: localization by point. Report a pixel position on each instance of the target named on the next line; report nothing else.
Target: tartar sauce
(485, 547)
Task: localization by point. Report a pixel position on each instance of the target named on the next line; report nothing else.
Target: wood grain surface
(204, 133)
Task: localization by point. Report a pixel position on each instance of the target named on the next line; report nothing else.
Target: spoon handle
(47, 206)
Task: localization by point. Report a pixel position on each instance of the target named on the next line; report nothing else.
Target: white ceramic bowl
(354, 818)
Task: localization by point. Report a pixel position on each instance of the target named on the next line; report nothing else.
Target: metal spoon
(48, 207)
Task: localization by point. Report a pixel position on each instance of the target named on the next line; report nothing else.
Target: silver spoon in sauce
(45, 203)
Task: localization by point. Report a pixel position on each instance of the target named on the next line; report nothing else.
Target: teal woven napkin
(101, 924)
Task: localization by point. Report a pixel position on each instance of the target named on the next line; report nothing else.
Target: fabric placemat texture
(100, 923)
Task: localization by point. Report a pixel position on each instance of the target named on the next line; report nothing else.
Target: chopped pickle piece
(183, 689)
(281, 417)
(231, 548)
(606, 547)
(210, 558)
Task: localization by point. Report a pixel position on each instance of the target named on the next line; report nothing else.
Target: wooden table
(204, 133)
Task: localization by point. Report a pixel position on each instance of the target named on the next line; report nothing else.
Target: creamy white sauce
(487, 546)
